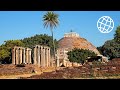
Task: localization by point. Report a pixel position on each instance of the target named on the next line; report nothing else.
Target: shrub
(80, 55)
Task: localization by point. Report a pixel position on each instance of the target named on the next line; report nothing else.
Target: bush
(80, 55)
(111, 48)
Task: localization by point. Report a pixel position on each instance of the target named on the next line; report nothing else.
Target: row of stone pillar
(21, 55)
(42, 56)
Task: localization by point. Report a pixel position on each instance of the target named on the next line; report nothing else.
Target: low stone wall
(71, 64)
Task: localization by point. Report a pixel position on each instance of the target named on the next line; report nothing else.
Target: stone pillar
(38, 52)
(20, 55)
(49, 57)
(51, 61)
(17, 57)
(42, 57)
(46, 52)
(35, 55)
(13, 55)
(30, 62)
(45, 57)
(58, 60)
(24, 55)
(29, 56)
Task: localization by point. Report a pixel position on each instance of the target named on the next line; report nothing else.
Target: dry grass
(25, 75)
(109, 71)
(108, 77)
(16, 76)
(12, 72)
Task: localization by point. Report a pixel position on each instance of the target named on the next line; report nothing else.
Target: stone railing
(21, 55)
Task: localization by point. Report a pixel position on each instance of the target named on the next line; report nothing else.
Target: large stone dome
(73, 40)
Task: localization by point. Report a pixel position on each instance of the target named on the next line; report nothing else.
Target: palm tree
(50, 19)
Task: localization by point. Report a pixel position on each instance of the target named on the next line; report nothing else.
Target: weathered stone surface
(75, 41)
(42, 56)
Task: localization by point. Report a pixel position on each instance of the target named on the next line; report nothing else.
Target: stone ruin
(21, 55)
(67, 63)
(41, 57)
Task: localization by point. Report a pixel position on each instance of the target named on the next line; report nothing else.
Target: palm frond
(50, 19)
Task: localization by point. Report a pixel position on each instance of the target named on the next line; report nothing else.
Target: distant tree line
(111, 48)
(42, 39)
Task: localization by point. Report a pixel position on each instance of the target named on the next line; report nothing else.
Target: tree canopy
(5, 50)
(42, 39)
(111, 48)
(50, 19)
(79, 55)
(117, 35)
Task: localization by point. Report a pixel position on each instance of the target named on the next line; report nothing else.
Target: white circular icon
(105, 24)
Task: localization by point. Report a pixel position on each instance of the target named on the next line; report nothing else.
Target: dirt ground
(110, 70)
(16, 76)
(9, 71)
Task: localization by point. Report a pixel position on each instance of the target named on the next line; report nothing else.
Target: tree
(79, 55)
(117, 34)
(100, 49)
(11, 43)
(40, 39)
(4, 54)
(5, 50)
(111, 48)
(50, 19)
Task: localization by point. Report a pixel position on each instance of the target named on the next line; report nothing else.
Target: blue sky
(21, 24)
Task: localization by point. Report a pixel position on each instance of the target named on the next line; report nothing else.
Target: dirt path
(49, 70)
(109, 77)
(26, 75)
(18, 76)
